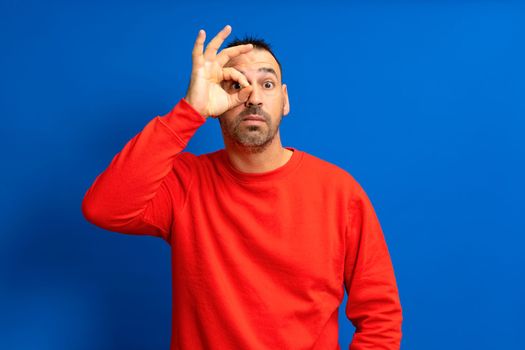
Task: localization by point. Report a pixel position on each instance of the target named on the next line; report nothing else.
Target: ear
(286, 105)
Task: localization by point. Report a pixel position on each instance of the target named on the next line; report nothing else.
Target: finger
(231, 73)
(244, 93)
(227, 54)
(198, 46)
(241, 96)
(216, 42)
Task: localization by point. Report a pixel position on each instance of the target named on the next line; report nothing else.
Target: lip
(254, 117)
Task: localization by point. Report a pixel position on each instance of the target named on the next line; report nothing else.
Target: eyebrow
(265, 70)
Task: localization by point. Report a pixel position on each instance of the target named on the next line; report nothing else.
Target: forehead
(253, 60)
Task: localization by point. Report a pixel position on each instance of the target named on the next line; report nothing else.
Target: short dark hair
(258, 43)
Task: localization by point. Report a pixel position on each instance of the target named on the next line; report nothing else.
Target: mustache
(254, 110)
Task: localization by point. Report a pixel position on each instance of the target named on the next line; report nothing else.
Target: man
(264, 238)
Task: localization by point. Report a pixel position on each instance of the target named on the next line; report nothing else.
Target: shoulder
(350, 189)
(333, 176)
(326, 170)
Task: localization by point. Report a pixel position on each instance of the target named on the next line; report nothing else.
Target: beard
(253, 138)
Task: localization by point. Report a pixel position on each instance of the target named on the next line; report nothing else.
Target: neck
(257, 160)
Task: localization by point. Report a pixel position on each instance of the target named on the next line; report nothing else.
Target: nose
(255, 98)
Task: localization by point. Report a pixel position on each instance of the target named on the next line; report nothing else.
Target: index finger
(199, 44)
(227, 54)
(216, 42)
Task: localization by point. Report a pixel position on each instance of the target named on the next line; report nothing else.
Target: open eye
(235, 86)
(268, 84)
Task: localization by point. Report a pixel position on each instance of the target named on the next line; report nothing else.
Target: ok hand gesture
(205, 92)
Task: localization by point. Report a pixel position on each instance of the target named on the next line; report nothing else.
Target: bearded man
(265, 239)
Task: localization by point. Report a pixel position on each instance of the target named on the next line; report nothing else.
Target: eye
(235, 85)
(268, 84)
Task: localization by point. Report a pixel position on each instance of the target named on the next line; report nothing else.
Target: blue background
(421, 101)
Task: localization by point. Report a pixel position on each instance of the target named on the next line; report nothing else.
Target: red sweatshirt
(259, 261)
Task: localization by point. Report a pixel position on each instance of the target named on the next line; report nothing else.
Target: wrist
(188, 100)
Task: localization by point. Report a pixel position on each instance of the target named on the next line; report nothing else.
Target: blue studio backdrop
(421, 101)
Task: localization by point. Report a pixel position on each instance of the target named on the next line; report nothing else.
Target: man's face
(268, 101)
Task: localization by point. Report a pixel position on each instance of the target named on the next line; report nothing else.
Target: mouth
(254, 117)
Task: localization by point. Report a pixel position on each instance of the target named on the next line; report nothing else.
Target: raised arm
(149, 179)
(373, 304)
(133, 194)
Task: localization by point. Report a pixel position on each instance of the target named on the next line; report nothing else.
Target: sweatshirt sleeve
(373, 304)
(147, 181)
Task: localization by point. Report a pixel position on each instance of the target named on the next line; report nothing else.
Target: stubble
(253, 138)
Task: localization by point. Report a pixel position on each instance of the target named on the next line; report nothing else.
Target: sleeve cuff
(183, 120)
(187, 106)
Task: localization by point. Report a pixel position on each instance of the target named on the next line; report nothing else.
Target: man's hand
(205, 92)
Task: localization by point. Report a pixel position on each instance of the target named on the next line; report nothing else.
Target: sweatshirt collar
(274, 174)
